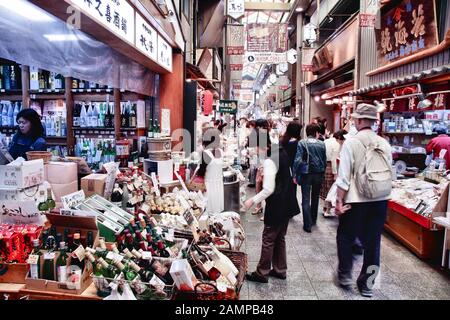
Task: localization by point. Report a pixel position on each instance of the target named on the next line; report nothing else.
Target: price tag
(88, 90)
(157, 283)
(79, 253)
(146, 255)
(33, 259)
(98, 90)
(56, 90)
(49, 256)
(181, 181)
(159, 231)
(155, 184)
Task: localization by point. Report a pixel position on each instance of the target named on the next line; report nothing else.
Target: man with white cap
(363, 188)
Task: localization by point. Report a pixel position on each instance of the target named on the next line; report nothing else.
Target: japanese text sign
(406, 29)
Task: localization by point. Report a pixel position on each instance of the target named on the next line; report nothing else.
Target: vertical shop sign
(307, 59)
(146, 38)
(165, 122)
(235, 8)
(164, 53)
(406, 29)
(235, 39)
(115, 15)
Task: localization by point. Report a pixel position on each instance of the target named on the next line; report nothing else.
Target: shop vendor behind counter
(30, 136)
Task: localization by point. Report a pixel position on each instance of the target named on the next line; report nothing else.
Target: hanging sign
(235, 8)
(267, 37)
(367, 20)
(406, 29)
(164, 53)
(235, 39)
(146, 38)
(228, 106)
(115, 15)
(292, 56)
(165, 122)
(236, 67)
(266, 57)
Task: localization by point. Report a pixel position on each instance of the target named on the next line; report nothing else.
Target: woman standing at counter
(31, 134)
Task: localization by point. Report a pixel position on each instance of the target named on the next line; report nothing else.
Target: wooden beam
(267, 6)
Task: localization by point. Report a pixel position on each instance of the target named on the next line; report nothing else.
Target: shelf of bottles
(96, 151)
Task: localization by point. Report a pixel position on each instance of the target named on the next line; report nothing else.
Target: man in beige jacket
(359, 217)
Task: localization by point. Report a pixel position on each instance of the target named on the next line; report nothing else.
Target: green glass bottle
(50, 202)
(61, 263)
(127, 271)
(35, 269)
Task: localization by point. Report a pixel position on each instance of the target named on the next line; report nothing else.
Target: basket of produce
(44, 155)
(219, 274)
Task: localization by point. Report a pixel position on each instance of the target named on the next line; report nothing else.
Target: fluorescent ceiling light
(299, 9)
(64, 37)
(27, 10)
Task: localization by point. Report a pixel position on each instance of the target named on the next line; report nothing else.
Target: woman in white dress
(211, 168)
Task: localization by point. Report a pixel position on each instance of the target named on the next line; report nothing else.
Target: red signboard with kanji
(406, 29)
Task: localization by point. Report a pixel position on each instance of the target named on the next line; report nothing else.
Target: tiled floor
(312, 263)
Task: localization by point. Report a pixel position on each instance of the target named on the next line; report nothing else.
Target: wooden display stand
(415, 231)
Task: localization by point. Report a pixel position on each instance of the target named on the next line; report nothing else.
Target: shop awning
(193, 72)
(404, 80)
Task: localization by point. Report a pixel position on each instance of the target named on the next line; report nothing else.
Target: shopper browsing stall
(31, 135)
(309, 167)
(439, 143)
(333, 148)
(366, 198)
(281, 205)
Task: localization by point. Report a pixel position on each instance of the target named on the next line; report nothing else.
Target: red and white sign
(367, 20)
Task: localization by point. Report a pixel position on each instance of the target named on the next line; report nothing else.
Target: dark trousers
(364, 221)
(273, 251)
(311, 184)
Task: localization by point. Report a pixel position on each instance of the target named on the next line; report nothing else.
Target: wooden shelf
(11, 92)
(92, 91)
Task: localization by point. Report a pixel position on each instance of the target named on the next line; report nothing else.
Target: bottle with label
(83, 116)
(11, 119)
(76, 244)
(156, 130)
(144, 152)
(150, 128)
(42, 80)
(61, 263)
(50, 202)
(116, 196)
(90, 116)
(13, 77)
(35, 268)
(132, 115)
(90, 239)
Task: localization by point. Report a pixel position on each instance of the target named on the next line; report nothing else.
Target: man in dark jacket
(309, 168)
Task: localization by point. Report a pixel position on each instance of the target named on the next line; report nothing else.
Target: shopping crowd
(350, 171)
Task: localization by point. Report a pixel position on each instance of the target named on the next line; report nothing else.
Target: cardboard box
(28, 174)
(61, 172)
(84, 224)
(93, 184)
(61, 190)
(36, 193)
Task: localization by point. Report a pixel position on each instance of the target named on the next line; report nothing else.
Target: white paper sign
(77, 213)
(20, 212)
(164, 54)
(155, 184)
(181, 181)
(73, 199)
(165, 122)
(236, 8)
(140, 114)
(146, 38)
(115, 15)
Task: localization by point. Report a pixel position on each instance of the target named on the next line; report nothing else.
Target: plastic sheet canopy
(33, 37)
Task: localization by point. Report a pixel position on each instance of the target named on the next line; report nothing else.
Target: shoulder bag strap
(305, 144)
